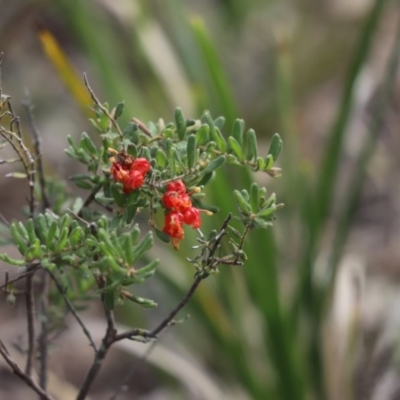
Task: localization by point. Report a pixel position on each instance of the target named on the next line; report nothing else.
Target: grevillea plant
(92, 249)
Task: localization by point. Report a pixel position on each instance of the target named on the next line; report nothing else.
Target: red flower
(129, 172)
(176, 186)
(192, 217)
(134, 181)
(180, 210)
(141, 165)
(173, 225)
(119, 173)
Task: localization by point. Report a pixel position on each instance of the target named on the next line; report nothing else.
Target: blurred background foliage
(310, 316)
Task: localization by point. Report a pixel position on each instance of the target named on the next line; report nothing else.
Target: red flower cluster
(130, 172)
(180, 211)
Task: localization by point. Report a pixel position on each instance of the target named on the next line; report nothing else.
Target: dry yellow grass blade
(64, 68)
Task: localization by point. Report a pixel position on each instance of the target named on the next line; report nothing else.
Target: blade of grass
(356, 183)
(216, 71)
(316, 209)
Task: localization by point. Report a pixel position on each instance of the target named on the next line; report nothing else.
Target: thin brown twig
(30, 319)
(31, 269)
(101, 353)
(142, 126)
(102, 108)
(21, 374)
(27, 104)
(72, 310)
(43, 337)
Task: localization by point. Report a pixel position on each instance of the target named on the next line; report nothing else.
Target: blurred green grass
(255, 333)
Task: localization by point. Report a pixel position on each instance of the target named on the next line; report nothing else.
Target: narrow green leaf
(147, 303)
(129, 214)
(51, 235)
(242, 203)
(206, 178)
(254, 197)
(267, 211)
(238, 131)
(86, 143)
(12, 261)
(148, 270)
(18, 239)
(203, 135)
(131, 133)
(142, 247)
(76, 236)
(236, 147)
(162, 235)
(219, 122)
(62, 240)
(214, 164)
(269, 162)
(191, 151)
(127, 245)
(119, 109)
(275, 146)
(180, 123)
(118, 197)
(161, 159)
(30, 228)
(251, 150)
(220, 140)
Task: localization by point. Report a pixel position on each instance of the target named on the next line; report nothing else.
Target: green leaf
(62, 240)
(242, 203)
(18, 239)
(180, 123)
(238, 131)
(267, 211)
(131, 133)
(118, 197)
(203, 135)
(127, 245)
(269, 162)
(87, 144)
(34, 251)
(219, 122)
(220, 140)
(119, 109)
(161, 159)
(30, 228)
(76, 236)
(84, 185)
(41, 227)
(275, 146)
(191, 151)
(77, 205)
(162, 235)
(142, 247)
(214, 164)
(129, 214)
(254, 197)
(236, 147)
(206, 178)
(148, 270)
(12, 261)
(51, 235)
(142, 301)
(251, 150)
